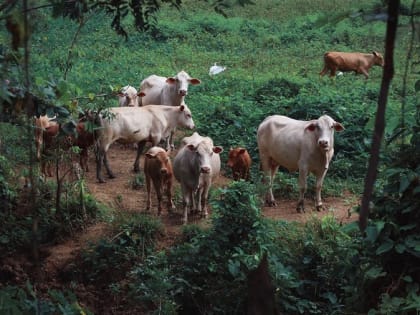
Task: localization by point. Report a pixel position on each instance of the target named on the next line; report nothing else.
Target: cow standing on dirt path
(307, 146)
(196, 165)
(138, 125)
(240, 163)
(158, 170)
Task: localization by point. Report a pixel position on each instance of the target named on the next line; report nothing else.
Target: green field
(273, 51)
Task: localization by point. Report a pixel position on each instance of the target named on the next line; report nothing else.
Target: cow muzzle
(205, 170)
(323, 144)
(163, 171)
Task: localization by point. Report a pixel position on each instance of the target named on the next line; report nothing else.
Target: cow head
(185, 120)
(161, 157)
(323, 129)
(234, 156)
(379, 59)
(203, 152)
(181, 81)
(129, 96)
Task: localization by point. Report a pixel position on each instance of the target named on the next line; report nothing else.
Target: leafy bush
(109, 260)
(392, 237)
(22, 301)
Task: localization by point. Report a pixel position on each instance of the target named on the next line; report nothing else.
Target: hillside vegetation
(273, 52)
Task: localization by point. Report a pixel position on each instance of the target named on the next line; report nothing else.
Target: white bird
(215, 69)
(339, 73)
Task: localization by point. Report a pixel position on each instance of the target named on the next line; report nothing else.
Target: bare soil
(120, 194)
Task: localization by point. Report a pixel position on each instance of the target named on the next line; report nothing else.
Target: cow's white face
(185, 117)
(181, 82)
(203, 153)
(323, 129)
(130, 96)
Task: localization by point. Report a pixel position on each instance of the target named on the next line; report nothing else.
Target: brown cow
(240, 162)
(84, 140)
(46, 131)
(158, 169)
(345, 61)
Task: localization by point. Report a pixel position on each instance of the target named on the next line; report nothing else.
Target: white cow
(196, 164)
(128, 96)
(138, 125)
(166, 91)
(307, 146)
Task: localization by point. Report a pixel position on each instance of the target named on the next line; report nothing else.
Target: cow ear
(338, 127)
(194, 81)
(170, 80)
(242, 151)
(311, 127)
(217, 149)
(120, 94)
(149, 155)
(374, 53)
(141, 94)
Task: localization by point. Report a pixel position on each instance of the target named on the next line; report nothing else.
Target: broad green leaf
(375, 272)
(400, 248)
(386, 246)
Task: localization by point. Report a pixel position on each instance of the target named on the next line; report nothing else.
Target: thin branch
(388, 74)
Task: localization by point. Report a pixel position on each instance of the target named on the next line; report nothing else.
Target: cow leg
(149, 193)
(83, 158)
(108, 169)
(101, 157)
(99, 161)
(303, 174)
(323, 71)
(202, 195)
(158, 188)
(365, 73)
(170, 142)
(269, 168)
(319, 182)
(187, 194)
(171, 205)
(140, 147)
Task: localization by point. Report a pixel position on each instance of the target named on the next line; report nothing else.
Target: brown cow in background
(240, 162)
(351, 61)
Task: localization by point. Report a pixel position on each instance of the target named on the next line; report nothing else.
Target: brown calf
(158, 169)
(344, 61)
(240, 162)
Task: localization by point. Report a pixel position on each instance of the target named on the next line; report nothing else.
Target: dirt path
(119, 194)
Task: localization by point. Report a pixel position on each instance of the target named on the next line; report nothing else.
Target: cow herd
(152, 115)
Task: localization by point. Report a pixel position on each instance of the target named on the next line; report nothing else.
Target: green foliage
(392, 237)
(108, 260)
(22, 301)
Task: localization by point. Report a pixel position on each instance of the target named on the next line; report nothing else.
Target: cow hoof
(111, 176)
(270, 203)
(319, 208)
(101, 181)
(300, 210)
